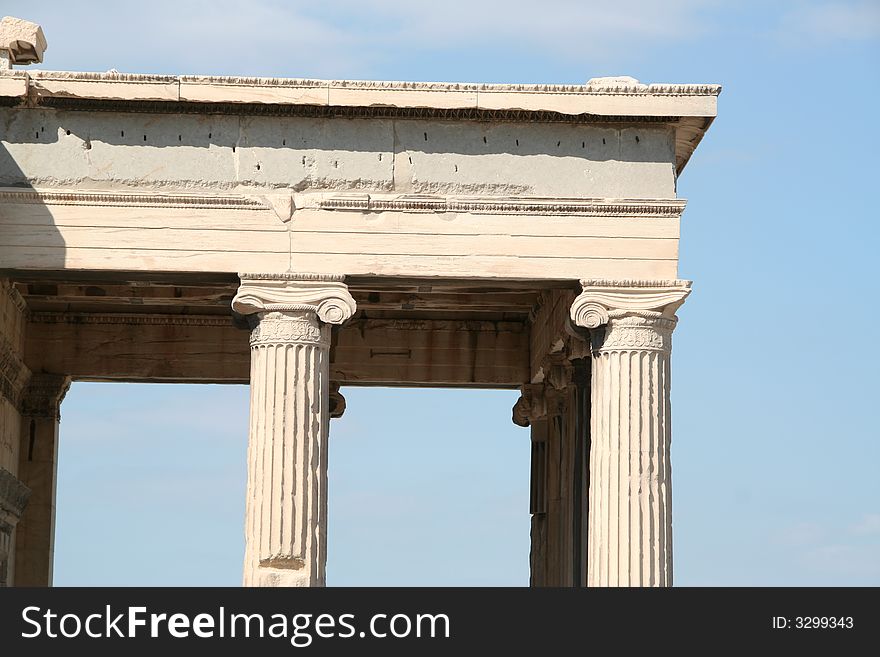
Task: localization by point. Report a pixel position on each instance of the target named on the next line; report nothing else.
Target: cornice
(325, 295)
(393, 85)
(103, 76)
(688, 107)
(600, 298)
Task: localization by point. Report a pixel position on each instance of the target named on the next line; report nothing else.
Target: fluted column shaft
(286, 510)
(286, 507)
(630, 522)
(630, 499)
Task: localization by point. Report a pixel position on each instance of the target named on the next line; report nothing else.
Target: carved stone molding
(43, 395)
(324, 294)
(638, 331)
(557, 370)
(134, 319)
(530, 405)
(599, 297)
(291, 327)
(123, 199)
(595, 86)
(498, 205)
(337, 401)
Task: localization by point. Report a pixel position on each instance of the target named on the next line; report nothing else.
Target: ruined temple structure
(302, 235)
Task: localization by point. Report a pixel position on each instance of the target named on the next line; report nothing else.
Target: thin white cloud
(349, 38)
(869, 525)
(833, 553)
(844, 561)
(574, 27)
(799, 535)
(834, 21)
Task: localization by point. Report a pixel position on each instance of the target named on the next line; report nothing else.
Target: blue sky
(775, 442)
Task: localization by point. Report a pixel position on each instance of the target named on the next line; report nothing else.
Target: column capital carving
(291, 327)
(324, 294)
(601, 300)
(43, 395)
(537, 401)
(637, 331)
(557, 370)
(337, 401)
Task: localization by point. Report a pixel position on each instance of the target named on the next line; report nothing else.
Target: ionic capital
(600, 299)
(323, 294)
(337, 401)
(43, 395)
(537, 401)
(557, 369)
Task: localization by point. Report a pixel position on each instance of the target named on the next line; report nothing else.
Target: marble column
(37, 469)
(630, 495)
(286, 509)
